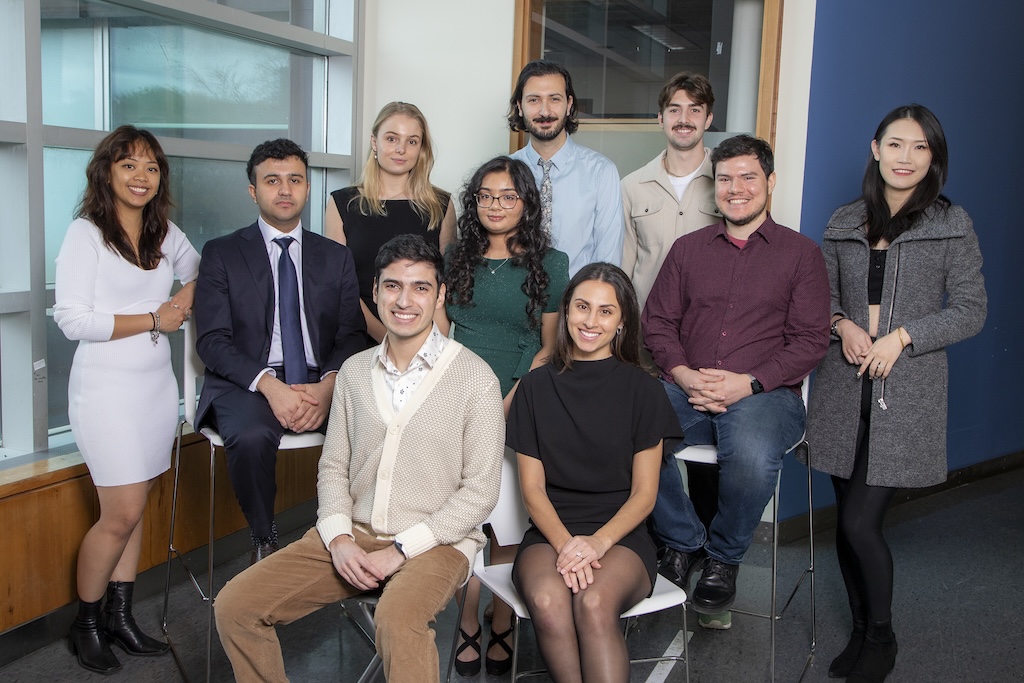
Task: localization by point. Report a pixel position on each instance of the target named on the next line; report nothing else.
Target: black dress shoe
(716, 589)
(679, 567)
(262, 551)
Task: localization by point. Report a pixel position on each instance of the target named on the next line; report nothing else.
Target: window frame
(24, 294)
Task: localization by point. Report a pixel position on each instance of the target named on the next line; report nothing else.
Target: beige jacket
(655, 219)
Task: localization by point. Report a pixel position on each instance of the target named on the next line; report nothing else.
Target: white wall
(794, 96)
(453, 60)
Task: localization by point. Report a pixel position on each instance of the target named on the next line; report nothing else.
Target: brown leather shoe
(261, 552)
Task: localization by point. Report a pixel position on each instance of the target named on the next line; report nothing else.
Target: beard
(740, 221)
(540, 133)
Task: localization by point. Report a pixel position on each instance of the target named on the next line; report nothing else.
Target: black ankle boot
(88, 643)
(119, 624)
(877, 656)
(843, 664)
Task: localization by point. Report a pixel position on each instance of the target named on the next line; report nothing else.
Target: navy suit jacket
(234, 308)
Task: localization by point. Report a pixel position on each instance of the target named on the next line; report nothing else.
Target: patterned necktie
(545, 195)
(288, 310)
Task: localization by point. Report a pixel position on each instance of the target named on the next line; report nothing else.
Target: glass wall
(210, 80)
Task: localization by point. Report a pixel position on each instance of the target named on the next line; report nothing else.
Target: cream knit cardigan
(428, 475)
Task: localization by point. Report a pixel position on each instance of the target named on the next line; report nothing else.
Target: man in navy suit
(277, 313)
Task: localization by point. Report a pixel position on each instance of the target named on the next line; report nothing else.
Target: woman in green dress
(504, 283)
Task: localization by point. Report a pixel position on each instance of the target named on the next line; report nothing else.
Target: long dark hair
(880, 223)
(99, 205)
(528, 245)
(626, 346)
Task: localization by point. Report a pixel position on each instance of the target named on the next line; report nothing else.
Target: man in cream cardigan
(410, 469)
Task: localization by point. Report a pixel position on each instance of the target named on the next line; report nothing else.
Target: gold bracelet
(899, 333)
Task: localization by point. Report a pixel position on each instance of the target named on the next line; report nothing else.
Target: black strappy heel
(498, 667)
(472, 667)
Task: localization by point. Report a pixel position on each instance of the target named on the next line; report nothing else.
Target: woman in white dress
(115, 270)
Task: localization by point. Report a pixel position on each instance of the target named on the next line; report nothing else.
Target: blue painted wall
(965, 62)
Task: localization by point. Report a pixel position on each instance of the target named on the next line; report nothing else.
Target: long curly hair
(99, 204)
(528, 245)
(422, 195)
(880, 223)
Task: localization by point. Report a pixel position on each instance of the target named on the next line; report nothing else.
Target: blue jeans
(751, 437)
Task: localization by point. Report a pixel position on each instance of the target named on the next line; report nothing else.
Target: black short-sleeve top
(585, 425)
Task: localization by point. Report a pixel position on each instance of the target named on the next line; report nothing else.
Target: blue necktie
(288, 310)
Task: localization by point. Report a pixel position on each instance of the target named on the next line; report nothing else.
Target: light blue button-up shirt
(586, 204)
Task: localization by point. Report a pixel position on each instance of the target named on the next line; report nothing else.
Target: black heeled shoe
(87, 642)
(877, 657)
(499, 667)
(472, 666)
(843, 664)
(119, 625)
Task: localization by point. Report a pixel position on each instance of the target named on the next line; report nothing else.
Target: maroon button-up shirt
(762, 309)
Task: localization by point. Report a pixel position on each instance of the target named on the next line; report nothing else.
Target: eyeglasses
(505, 201)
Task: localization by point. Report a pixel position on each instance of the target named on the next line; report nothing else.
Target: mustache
(684, 126)
(545, 119)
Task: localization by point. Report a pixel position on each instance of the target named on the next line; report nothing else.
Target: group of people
(585, 327)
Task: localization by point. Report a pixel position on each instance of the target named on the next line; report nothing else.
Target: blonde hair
(422, 195)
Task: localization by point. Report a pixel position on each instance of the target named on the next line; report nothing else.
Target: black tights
(864, 556)
(578, 634)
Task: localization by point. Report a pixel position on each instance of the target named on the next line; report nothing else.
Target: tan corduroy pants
(300, 579)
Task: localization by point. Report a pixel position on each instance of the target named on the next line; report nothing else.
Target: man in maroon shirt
(738, 316)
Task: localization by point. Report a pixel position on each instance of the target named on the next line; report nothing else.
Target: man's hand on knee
(387, 560)
(723, 389)
(312, 413)
(284, 402)
(354, 565)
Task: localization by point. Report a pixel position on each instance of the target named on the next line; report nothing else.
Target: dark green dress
(496, 326)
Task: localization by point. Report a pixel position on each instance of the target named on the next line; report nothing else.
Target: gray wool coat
(937, 258)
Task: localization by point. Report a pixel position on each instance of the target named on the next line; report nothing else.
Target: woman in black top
(588, 430)
(394, 197)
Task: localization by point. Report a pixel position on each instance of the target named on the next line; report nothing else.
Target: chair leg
(515, 646)
(810, 534)
(686, 646)
(773, 615)
(209, 562)
(455, 635)
(170, 537)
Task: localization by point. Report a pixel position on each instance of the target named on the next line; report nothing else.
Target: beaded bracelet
(154, 334)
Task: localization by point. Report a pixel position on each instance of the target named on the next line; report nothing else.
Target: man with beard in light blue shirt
(580, 197)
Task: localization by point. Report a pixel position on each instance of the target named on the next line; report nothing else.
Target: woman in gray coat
(905, 271)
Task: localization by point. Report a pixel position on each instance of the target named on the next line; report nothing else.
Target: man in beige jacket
(674, 194)
(410, 469)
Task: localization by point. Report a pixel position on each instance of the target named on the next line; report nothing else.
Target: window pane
(621, 52)
(63, 183)
(304, 13)
(174, 79)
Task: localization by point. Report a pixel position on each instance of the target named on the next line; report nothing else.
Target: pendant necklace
(495, 269)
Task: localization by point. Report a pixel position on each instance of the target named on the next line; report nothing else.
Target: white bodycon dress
(122, 394)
